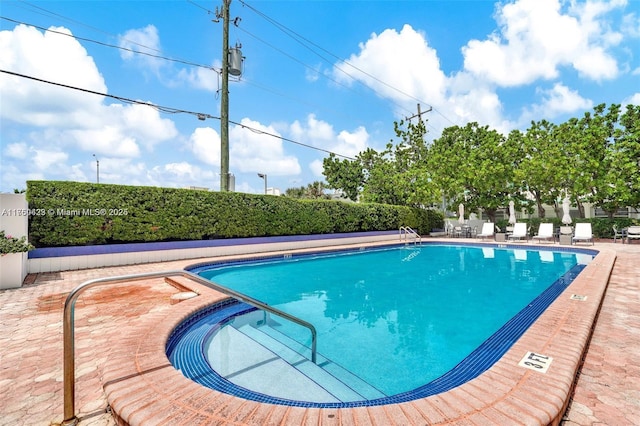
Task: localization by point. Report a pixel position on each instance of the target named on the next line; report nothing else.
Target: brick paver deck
(119, 329)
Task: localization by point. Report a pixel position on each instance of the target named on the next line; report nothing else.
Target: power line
(262, 132)
(297, 37)
(300, 38)
(289, 32)
(182, 61)
(65, 18)
(170, 110)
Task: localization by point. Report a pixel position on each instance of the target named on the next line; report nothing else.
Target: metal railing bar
(68, 328)
(408, 231)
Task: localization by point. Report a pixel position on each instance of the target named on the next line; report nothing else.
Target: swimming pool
(406, 322)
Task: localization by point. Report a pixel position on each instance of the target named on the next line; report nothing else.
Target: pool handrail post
(68, 329)
(406, 231)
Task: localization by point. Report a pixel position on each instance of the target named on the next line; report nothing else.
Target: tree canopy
(594, 158)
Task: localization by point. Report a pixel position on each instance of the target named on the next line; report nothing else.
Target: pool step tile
(243, 361)
(332, 373)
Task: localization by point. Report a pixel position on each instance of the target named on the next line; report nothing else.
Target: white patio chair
(519, 231)
(487, 230)
(545, 232)
(633, 233)
(583, 233)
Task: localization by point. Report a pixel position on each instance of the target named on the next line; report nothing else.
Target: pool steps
(257, 356)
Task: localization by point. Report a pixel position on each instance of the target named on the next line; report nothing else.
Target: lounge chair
(633, 233)
(583, 233)
(519, 231)
(545, 232)
(487, 230)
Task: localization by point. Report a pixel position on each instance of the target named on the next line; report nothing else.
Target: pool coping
(143, 388)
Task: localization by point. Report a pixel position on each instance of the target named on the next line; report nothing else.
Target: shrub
(79, 213)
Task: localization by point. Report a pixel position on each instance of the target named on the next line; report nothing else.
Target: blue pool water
(403, 320)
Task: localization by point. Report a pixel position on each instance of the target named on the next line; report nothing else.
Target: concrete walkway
(608, 387)
(607, 392)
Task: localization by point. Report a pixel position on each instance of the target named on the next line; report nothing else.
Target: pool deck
(120, 362)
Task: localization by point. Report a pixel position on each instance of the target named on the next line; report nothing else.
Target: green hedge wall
(78, 213)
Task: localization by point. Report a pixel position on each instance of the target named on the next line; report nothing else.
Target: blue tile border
(194, 365)
(46, 252)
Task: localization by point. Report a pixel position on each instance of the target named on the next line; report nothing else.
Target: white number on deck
(536, 362)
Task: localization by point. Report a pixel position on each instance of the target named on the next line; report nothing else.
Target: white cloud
(17, 150)
(321, 134)
(536, 38)
(633, 99)
(556, 101)
(145, 40)
(44, 159)
(397, 65)
(204, 142)
(145, 123)
(51, 57)
(199, 78)
(317, 168)
(631, 25)
(255, 152)
(143, 49)
(108, 139)
(312, 75)
(64, 118)
(184, 175)
(352, 143)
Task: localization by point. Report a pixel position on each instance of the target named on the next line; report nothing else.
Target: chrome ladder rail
(408, 232)
(68, 374)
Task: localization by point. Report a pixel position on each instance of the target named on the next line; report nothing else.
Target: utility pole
(419, 114)
(97, 169)
(224, 100)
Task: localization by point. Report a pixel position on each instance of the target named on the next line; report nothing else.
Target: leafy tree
(294, 192)
(621, 179)
(588, 144)
(474, 165)
(593, 159)
(346, 175)
(541, 169)
(313, 191)
(397, 175)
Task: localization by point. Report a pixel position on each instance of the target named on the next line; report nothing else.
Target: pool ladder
(68, 372)
(406, 233)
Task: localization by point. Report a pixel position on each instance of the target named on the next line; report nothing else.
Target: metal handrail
(68, 325)
(408, 231)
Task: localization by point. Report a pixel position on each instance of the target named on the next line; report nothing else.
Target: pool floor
(143, 388)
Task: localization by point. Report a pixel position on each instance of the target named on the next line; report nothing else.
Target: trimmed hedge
(78, 213)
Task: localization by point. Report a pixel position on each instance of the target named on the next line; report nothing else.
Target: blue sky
(332, 75)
